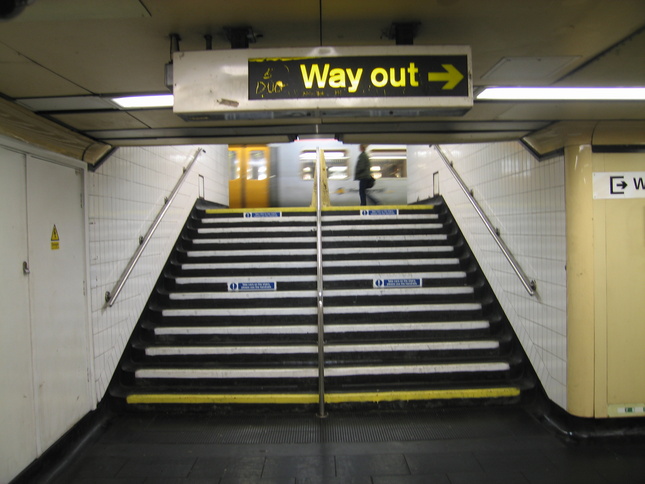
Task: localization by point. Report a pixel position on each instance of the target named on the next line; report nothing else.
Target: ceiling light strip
(562, 94)
(147, 101)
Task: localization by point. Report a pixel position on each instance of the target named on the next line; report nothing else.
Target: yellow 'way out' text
(338, 78)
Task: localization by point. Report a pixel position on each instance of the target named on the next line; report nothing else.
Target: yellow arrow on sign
(452, 76)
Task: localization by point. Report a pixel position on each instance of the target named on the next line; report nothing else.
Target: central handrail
(111, 296)
(319, 289)
(529, 284)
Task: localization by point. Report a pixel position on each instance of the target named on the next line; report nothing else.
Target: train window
(257, 165)
(337, 163)
(388, 162)
(234, 165)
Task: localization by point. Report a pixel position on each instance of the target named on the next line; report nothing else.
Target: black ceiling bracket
(168, 72)
(240, 37)
(403, 33)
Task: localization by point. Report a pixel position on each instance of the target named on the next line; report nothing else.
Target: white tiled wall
(124, 196)
(524, 198)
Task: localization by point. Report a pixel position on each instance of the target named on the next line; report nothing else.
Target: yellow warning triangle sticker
(55, 237)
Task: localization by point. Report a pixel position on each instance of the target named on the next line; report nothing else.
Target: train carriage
(282, 175)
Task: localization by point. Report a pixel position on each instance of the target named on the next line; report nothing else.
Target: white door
(58, 303)
(17, 421)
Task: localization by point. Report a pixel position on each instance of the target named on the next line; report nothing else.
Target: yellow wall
(605, 283)
(580, 281)
(605, 270)
(619, 255)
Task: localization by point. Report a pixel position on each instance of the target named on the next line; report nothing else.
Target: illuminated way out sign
(322, 81)
(347, 77)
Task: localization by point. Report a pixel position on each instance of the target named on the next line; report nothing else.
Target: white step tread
(329, 328)
(256, 240)
(326, 251)
(312, 239)
(312, 264)
(400, 216)
(227, 279)
(292, 229)
(199, 373)
(383, 238)
(309, 311)
(380, 227)
(388, 250)
(254, 252)
(195, 266)
(285, 218)
(313, 349)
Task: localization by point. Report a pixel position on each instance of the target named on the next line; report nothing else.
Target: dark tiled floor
(490, 445)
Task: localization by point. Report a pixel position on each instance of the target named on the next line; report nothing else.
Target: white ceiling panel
(70, 48)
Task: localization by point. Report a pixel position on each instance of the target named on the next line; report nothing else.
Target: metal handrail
(111, 296)
(319, 290)
(529, 284)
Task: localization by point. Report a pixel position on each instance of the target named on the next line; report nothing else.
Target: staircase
(407, 314)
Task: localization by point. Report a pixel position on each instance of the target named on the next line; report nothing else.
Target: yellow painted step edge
(212, 211)
(311, 398)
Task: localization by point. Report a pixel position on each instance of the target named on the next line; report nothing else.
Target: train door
(248, 186)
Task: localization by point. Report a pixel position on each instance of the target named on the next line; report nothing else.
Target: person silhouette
(363, 173)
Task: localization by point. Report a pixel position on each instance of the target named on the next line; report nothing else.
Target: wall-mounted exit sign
(323, 80)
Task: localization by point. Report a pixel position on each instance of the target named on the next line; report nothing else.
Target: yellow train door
(248, 186)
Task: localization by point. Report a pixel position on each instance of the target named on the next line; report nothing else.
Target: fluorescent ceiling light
(149, 101)
(563, 94)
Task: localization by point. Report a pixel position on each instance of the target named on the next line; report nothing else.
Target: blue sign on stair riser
(262, 214)
(380, 212)
(252, 286)
(406, 282)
